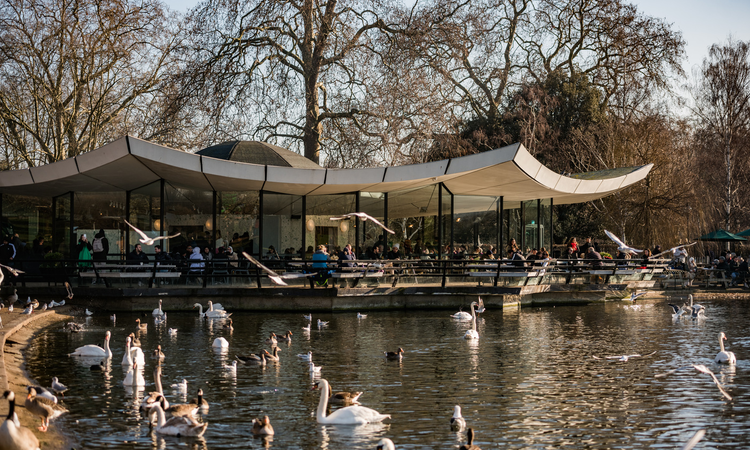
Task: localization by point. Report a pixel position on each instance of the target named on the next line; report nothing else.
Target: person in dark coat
(100, 246)
(137, 255)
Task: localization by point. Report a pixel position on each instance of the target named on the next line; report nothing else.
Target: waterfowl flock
(188, 419)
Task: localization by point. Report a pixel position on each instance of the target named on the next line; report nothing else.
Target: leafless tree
(70, 69)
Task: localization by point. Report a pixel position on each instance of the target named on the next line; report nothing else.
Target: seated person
(320, 266)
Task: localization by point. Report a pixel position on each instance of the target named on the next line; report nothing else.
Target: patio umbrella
(721, 235)
(745, 233)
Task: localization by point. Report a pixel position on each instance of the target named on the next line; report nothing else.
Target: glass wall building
(274, 203)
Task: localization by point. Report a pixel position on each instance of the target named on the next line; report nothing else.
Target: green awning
(721, 235)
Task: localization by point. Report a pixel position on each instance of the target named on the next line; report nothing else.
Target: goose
(306, 356)
(220, 342)
(458, 423)
(12, 434)
(385, 444)
(158, 312)
(286, 337)
(200, 401)
(361, 316)
(134, 377)
(272, 357)
(58, 387)
(349, 415)
(472, 333)
(140, 326)
(134, 341)
(43, 392)
(12, 298)
(177, 426)
(180, 387)
(469, 445)
(221, 314)
(42, 407)
(345, 398)
(158, 354)
(180, 410)
(272, 340)
(95, 350)
(229, 326)
(395, 355)
(133, 355)
(252, 359)
(262, 427)
(724, 357)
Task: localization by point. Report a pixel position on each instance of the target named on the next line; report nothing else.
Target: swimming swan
(95, 350)
(350, 415)
(177, 426)
(211, 314)
(472, 333)
(724, 357)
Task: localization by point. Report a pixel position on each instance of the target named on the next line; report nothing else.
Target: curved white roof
(129, 163)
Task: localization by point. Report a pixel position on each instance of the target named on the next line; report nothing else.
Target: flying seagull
(273, 276)
(364, 217)
(14, 272)
(694, 440)
(634, 296)
(147, 240)
(621, 245)
(702, 369)
(624, 358)
(673, 249)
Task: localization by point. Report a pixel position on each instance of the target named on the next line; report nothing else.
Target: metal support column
(539, 223)
(356, 228)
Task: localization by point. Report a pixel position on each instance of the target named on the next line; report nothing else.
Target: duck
(220, 342)
(348, 415)
(177, 426)
(58, 387)
(132, 354)
(158, 354)
(158, 311)
(472, 333)
(43, 407)
(385, 444)
(272, 340)
(395, 355)
(286, 337)
(229, 326)
(262, 427)
(724, 357)
(470, 444)
(200, 401)
(274, 356)
(95, 350)
(134, 377)
(457, 421)
(12, 434)
(345, 398)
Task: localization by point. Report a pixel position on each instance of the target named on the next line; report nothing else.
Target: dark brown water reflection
(530, 381)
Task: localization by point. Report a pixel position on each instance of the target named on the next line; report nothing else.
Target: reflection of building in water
(253, 195)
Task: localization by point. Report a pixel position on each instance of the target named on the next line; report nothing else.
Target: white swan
(458, 423)
(212, 314)
(350, 415)
(724, 357)
(177, 426)
(95, 350)
(133, 355)
(385, 444)
(134, 377)
(158, 312)
(461, 315)
(472, 333)
(220, 342)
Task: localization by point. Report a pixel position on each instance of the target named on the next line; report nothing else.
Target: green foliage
(52, 259)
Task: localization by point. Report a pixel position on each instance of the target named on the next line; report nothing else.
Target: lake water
(529, 382)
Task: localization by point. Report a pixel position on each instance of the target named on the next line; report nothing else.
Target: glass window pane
(188, 212)
(282, 225)
(321, 230)
(101, 211)
(238, 219)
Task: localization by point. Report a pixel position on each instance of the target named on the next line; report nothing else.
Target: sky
(702, 22)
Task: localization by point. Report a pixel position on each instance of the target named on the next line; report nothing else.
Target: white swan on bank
(472, 333)
(177, 426)
(350, 415)
(94, 350)
(724, 357)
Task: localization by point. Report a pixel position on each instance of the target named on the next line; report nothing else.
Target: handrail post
(445, 271)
